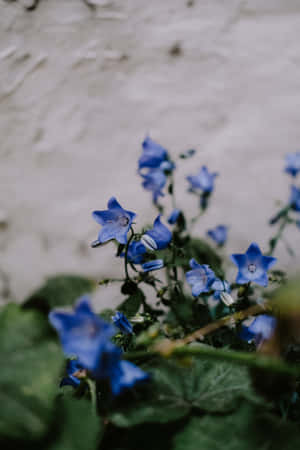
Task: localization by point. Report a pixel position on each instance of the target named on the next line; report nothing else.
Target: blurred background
(81, 87)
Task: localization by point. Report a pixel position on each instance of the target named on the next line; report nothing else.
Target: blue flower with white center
(259, 330)
(253, 266)
(153, 154)
(82, 333)
(203, 181)
(295, 198)
(292, 161)
(220, 286)
(200, 277)
(121, 321)
(115, 222)
(75, 372)
(219, 234)
(173, 217)
(160, 236)
(154, 181)
(135, 253)
(155, 264)
(125, 375)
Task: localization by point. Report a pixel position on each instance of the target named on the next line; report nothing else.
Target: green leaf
(81, 428)
(132, 304)
(204, 254)
(175, 390)
(61, 290)
(246, 429)
(29, 376)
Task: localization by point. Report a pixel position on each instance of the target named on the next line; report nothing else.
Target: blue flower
(295, 198)
(160, 236)
(121, 321)
(84, 334)
(173, 217)
(292, 163)
(153, 154)
(75, 371)
(135, 253)
(200, 278)
(153, 265)
(253, 266)
(220, 286)
(260, 329)
(219, 234)
(125, 375)
(154, 181)
(203, 180)
(115, 222)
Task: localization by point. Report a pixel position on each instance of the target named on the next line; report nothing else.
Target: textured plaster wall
(80, 88)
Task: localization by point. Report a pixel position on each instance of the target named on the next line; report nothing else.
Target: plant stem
(92, 388)
(126, 254)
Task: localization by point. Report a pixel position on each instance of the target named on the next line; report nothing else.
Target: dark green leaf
(175, 390)
(29, 375)
(61, 290)
(131, 305)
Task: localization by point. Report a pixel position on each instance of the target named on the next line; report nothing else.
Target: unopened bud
(226, 298)
(149, 242)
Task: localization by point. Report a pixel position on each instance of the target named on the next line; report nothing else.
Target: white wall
(79, 89)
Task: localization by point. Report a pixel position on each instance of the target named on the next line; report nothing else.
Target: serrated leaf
(175, 390)
(29, 375)
(61, 290)
(246, 429)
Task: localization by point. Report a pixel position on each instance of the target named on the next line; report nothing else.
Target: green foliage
(204, 254)
(61, 290)
(132, 304)
(176, 390)
(29, 375)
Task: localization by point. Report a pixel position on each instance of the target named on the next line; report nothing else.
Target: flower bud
(226, 298)
(149, 242)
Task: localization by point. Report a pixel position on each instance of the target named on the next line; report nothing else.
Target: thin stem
(126, 254)
(252, 360)
(274, 241)
(93, 393)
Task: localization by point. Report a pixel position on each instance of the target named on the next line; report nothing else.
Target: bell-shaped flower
(115, 222)
(155, 264)
(260, 329)
(153, 154)
(218, 234)
(154, 181)
(295, 198)
(253, 266)
(160, 236)
(200, 278)
(220, 286)
(135, 253)
(125, 375)
(292, 161)
(173, 217)
(75, 372)
(203, 181)
(121, 321)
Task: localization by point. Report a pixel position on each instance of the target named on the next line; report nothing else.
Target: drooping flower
(292, 161)
(121, 321)
(135, 253)
(200, 277)
(154, 181)
(87, 336)
(295, 198)
(82, 333)
(203, 181)
(219, 234)
(173, 217)
(115, 222)
(259, 330)
(153, 154)
(75, 372)
(153, 265)
(160, 236)
(253, 266)
(220, 286)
